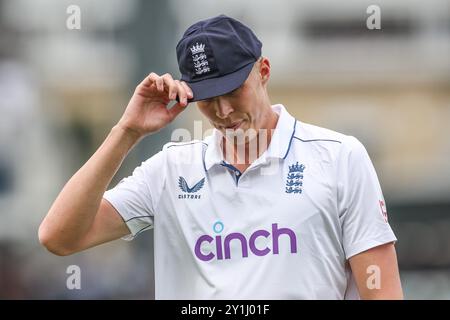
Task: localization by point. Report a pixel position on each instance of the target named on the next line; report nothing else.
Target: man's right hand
(80, 218)
(147, 110)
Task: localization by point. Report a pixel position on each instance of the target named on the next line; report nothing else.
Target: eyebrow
(233, 91)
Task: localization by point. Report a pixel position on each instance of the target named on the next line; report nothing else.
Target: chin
(242, 135)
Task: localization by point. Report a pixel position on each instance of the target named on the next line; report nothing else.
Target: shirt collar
(279, 144)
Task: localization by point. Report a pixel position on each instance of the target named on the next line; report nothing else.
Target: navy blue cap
(216, 55)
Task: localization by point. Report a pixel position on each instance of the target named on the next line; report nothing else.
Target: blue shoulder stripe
(312, 140)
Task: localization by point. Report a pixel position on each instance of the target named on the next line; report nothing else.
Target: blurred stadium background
(62, 90)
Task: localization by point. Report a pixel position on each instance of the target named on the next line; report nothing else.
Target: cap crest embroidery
(199, 58)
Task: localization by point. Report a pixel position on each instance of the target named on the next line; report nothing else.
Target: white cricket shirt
(283, 229)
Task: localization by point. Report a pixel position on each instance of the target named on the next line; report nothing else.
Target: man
(291, 211)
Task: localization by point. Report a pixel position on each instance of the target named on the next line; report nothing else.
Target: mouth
(233, 126)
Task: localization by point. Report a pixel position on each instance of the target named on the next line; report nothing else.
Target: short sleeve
(136, 197)
(361, 205)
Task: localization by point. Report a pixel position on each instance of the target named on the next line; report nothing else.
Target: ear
(264, 70)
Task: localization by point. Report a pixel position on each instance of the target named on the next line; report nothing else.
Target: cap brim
(210, 88)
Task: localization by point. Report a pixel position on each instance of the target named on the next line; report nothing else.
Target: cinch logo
(222, 246)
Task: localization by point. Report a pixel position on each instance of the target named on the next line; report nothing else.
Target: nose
(223, 108)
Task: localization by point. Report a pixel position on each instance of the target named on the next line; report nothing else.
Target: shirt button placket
(237, 174)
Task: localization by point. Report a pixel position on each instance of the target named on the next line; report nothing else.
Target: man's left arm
(376, 273)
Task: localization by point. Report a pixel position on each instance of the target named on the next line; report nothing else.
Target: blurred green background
(62, 90)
